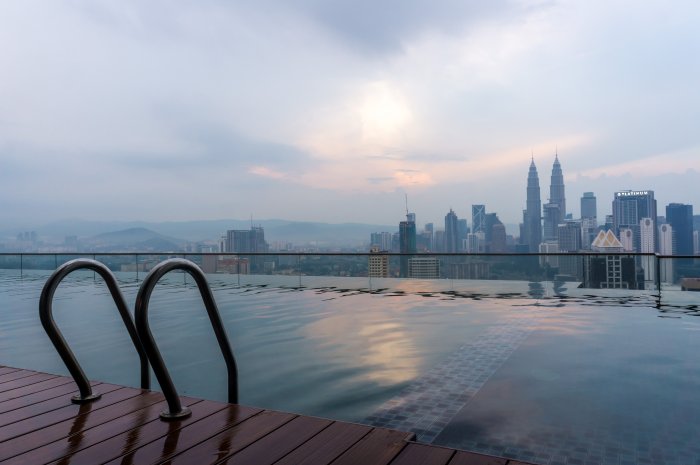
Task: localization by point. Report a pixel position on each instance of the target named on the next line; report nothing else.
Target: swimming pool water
(516, 369)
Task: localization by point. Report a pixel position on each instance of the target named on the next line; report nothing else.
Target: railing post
(658, 276)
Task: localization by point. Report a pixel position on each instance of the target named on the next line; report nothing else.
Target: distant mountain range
(174, 235)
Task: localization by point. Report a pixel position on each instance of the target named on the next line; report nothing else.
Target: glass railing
(670, 279)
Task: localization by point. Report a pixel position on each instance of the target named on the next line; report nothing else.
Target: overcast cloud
(332, 110)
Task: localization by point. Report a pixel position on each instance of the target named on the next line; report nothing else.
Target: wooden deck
(39, 424)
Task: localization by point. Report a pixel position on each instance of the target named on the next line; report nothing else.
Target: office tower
(696, 242)
(476, 242)
(569, 240)
(627, 239)
(248, 241)
(478, 213)
(439, 241)
(556, 189)
(490, 220)
(407, 242)
(609, 271)
(498, 238)
(378, 266)
(666, 247)
(532, 214)
(552, 217)
(647, 234)
(381, 240)
(462, 231)
(680, 217)
(588, 205)
(629, 207)
(451, 244)
(589, 219)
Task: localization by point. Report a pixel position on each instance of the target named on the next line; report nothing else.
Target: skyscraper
(629, 207)
(589, 219)
(532, 219)
(680, 217)
(451, 233)
(552, 218)
(407, 242)
(588, 205)
(556, 189)
(478, 212)
(647, 234)
(666, 247)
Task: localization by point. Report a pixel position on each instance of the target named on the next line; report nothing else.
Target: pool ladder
(138, 329)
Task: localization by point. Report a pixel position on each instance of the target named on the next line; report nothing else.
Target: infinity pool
(532, 371)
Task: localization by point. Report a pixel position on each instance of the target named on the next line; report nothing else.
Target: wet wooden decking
(39, 424)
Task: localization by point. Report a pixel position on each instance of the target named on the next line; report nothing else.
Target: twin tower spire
(554, 211)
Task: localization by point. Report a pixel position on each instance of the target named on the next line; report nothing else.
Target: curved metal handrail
(175, 409)
(59, 342)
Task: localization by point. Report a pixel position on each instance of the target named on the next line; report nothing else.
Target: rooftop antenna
(406, 195)
(251, 221)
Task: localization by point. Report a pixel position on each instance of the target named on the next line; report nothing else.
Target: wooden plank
(129, 441)
(472, 458)
(16, 375)
(231, 440)
(65, 390)
(4, 369)
(138, 411)
(379, 447)
(280, 442)
(514, 462)
(327, 445)
(111, 395)
(37, 408)
(26, 391)
(84, 419)
(423, 454)
(190, 434)
(22, 378)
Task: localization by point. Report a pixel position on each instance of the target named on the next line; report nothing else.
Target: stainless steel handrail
(175, 409)
(59, 342)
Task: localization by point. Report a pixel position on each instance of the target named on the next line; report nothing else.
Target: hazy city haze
(331, 111)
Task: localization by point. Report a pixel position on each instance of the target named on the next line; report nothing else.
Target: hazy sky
(331, 110)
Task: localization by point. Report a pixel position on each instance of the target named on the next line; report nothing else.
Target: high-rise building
(589, 208)
(424, 267)
(627, 239)
(551, 215)
(490, 220)
(382, 240)
(589, 219)
(248, 241)
(407, 242)
(569, 240)
(556, 189)
(666, 247)
(462, 231)
(696, 242)
(498, 239)
(532, 216)
(478, 214)
(451, 233)
(378, 266)
(680, 217)
(629, 207)
(647, 234)
(476, 242)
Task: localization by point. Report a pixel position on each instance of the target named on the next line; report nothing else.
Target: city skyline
(332, 112)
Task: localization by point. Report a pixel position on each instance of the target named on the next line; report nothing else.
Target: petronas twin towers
(553, 212)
